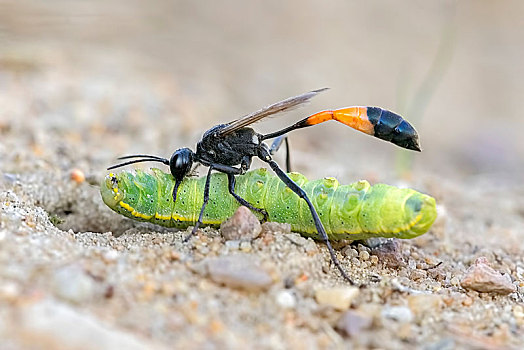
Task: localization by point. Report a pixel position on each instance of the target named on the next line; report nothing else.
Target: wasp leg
(264, 155)
(175, 190)
(212, 166)
(231, 179)
(275, 146)
(231, 172)
(245, 164)
(206, 199)
(226, 169)
(194, 172)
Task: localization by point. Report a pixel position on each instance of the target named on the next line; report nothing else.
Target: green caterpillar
(356, 211)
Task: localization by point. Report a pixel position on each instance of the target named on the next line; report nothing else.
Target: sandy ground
(73, 274)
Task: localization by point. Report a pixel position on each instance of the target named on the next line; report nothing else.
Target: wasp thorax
(181, 162)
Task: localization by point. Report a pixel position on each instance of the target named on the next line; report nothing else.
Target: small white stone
(339, 298)
(239, 271)
(9, 291)
(233, 245)
(52, 322)
(518, 311)
(245, 246)
(363, 255)
(399, 313)
(110, 256)
(71, 283)
(286, 299)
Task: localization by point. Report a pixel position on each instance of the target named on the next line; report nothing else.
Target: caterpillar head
(422, 211)
(111, 189)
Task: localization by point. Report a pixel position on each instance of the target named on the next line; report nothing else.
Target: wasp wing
(267, 111)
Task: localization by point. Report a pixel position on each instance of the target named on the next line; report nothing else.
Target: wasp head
(181, 162)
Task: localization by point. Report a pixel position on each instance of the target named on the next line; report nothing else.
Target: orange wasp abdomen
(374, 121)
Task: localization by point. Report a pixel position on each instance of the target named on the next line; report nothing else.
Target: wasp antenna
(162, 160)
(141, 156)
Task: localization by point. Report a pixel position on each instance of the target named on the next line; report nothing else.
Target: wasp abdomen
(392, 127)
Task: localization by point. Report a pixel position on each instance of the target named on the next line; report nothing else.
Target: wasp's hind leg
(242, 201)
(318, 224)
(264, 155)
(275, 146)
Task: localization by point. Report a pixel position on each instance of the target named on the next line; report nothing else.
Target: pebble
(418, 274)
(412, 264)
(297, 239)
(405, 331)
(311, 247)
(374, 259)
(362, 247)
(468, 301)
(276, 227)
(363, 255)
(71, 283)
(245, 247)
(52, 324)
(233, 245)
(351, 323)
(437, 273)
(454, 281)
(77, 176)
(390, 254)
(110, 256)
(11, 178)
(239, 271)
(9, 291)
(398, 313)
(243, 225)
(203, 249)
(375, 242)
(482, 278)
(286, 299)
(424, 304)
(350, 252)
(518, 313)
(340, 298)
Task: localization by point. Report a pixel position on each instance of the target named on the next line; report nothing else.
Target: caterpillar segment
(355, 211)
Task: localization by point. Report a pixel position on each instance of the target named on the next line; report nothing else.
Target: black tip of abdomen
(406, 136)
(392, 127)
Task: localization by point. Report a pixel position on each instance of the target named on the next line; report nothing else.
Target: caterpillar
(355, 211)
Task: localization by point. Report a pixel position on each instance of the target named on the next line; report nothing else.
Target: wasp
(229, 148)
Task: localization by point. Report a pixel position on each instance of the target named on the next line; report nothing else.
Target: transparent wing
(267, 111)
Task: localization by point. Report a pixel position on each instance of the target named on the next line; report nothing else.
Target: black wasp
(229, 148)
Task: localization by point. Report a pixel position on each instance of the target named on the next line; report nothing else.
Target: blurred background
(153, 76)
(83, 82)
